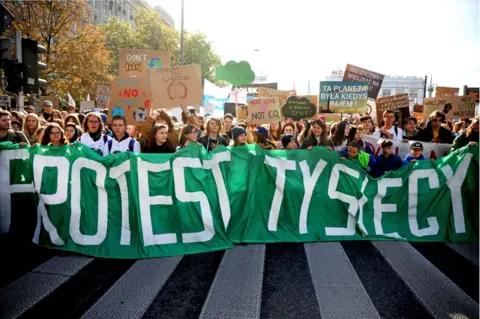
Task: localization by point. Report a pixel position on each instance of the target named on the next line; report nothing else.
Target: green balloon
(236, 73)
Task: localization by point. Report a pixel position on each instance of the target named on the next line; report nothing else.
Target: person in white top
(388, 130)
(121, 141)
(93, 136)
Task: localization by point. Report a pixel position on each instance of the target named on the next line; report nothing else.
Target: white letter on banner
(214, 165)
(309, 182)
(432, 221)
(191, 197)
(146, 201)
(361, 203)
(6, 189)
(282, 166)
(76, 210)
(118, 173)
(455, 182)
(380, 208)
(350, 200)
(60, 196)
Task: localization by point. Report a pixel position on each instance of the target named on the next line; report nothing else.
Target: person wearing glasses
(53, 135)
(93, 136)
(434, 132)
(389, 131)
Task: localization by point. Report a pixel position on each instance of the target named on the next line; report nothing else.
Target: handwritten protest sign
(87, 105)
(452, 106)
(393, 103)
(103, 95)
(441, 91)
(177, 85)
(137, 63)
(282, 95)
(4, 101)
(131, 98)
(298, 108)
(343, 97)
(51, 98)
(263, 110)
(355, 74)
(241, 112)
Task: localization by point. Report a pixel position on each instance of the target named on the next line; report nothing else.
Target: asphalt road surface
(292, 280)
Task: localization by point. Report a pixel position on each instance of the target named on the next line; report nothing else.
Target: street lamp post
(181, 36)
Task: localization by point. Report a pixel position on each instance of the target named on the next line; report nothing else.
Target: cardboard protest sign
(263, 110)
(418, 108)
(393, 103)
(4, 101)
(51, 98)
(177, 85)
(137, 63)
(473, 92)
(418, 116)
(452, 106)
(356, 74)
(282, 95)
(441, 91)
(230, 108)
(103, 95)
(87, 105)
(132, 98)
(343, 97)
(298, 108)
(241, 112)
(242, 94)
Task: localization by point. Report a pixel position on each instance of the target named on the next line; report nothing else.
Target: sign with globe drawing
(138, 63)
(176, 85)
(131, 98)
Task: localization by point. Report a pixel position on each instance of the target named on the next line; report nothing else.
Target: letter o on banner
(76, 210)
(135, 93)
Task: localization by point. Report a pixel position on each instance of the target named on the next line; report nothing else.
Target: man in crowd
(410, 132)
(389, 131)
(7, 134)
(367, 124)
(434, 132)
(121, 141)
(29, 109)
(387, 161)
(47, 110)
(227, 126)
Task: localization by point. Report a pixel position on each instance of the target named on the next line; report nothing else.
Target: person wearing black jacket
(317, 136)
(434, 132)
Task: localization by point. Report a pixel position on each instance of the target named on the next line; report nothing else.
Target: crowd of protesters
(52, 127)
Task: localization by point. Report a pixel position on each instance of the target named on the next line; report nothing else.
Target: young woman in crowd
(212, 138)
(93, 136)
(72, 118)
(31, 127)
(188, 135)
(457, 128)
(260, 137)
(53, 135)
(162, 117)
(317, 136)
(56, 115)
(355, 135)
(275, 131)
(239, 137)
(289, 128)
(72, 132)
(469, 136)
(159, 141)
(340, 138)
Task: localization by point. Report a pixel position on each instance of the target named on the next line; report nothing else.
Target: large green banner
(150, 205)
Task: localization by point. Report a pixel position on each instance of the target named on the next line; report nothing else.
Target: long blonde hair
(32, 137)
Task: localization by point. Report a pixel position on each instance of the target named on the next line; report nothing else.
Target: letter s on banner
(179, 165)
(60, 196)
(76, 210)
(432, 221)
(350, 200)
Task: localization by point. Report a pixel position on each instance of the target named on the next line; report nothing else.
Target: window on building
(413, 93)
(386, 92)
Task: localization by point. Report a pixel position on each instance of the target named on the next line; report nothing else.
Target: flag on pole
(88, 97)
(71, 101)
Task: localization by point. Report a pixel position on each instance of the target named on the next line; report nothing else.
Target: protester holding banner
(360, 158)
(317, 136)
(72, 132)
(212, 138)
(53, 136)
(340, 137)
(469, 136)
(356, 136)
(389, 131)
(160, 141)
(416, 150)
(8, 135)
(188, 135)
(121, 141)
(93, 136)
(260, 136)
(162, 117)
(31, 127)
(434, 132)
(239, 137)
(387, 161)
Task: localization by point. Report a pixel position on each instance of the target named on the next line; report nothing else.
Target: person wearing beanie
(261, 138)
(239, 136)
(289, 142)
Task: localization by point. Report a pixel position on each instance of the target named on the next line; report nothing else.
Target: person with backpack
(389, 131)
(93, 137)
(121, 141)
(7, 134)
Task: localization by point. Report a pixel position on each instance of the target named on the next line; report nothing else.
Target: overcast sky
(304, 40)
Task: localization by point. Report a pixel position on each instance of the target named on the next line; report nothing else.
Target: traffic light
(13, 75)
(31, 75)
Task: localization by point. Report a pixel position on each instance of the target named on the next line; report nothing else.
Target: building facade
(414, 86)
(124, 10)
